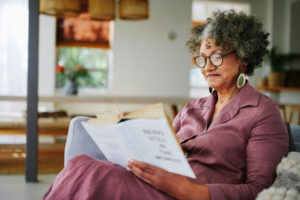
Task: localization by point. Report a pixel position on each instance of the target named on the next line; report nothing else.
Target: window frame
(82, 44)
(86, 90)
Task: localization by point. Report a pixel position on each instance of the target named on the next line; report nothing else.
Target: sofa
(295, 133)
(285, 186)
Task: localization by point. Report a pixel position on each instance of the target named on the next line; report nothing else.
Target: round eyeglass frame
(209, 57)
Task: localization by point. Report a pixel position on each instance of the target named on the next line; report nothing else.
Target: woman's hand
(173, 184)
(162, 180)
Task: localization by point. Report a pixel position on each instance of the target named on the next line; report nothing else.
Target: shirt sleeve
(267, 144)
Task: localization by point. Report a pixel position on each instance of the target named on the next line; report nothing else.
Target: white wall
(145, 61)
(47, 57)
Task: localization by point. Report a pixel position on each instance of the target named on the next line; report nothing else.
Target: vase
(71, 87)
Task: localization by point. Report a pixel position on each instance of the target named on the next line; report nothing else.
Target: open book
(145, 135)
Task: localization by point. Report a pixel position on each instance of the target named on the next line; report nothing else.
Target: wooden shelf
(278, 89)
(53, 131)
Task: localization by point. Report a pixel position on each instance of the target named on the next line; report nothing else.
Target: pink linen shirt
(236, 154)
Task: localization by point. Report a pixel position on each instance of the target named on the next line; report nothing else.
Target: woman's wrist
(195, 192)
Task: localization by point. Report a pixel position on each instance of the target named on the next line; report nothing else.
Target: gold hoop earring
(241, 80)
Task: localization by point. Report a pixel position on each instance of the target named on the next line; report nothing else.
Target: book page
(156, 144)
(153, 111)
(111, 142)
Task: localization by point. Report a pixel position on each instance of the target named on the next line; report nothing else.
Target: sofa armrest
(295, 131)
(80, 142)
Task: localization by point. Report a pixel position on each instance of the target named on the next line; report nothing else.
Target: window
(13, 52)
(84, 42)
(200, 11)
(95, 60)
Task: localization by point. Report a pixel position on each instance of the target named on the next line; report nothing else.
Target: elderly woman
(233, 139)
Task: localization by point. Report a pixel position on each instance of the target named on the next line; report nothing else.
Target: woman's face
(223, 76)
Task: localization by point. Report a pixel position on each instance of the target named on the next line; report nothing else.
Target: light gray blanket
(287, 183)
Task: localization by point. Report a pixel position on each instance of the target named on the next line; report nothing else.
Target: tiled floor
(14, 187)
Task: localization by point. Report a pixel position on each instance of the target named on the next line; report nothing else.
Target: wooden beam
(32, 93)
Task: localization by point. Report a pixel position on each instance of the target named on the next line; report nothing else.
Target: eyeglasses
(215, 59)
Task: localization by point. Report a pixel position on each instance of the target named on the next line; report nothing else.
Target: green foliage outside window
(94, 60)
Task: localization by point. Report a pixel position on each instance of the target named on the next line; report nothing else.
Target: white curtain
(13, 51)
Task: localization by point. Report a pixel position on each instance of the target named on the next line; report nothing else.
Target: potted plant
(278, 63)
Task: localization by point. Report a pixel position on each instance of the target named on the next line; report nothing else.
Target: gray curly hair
(233, 31)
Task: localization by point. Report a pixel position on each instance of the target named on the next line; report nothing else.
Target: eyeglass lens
(215, 60)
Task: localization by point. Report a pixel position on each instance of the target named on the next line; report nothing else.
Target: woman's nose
(209, 66)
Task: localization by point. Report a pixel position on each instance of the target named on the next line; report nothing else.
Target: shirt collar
(247, 96)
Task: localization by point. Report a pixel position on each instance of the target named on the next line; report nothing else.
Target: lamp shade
(102, 9)
(60, 8)
(133, 9)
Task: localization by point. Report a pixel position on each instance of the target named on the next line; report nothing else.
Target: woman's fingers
(142, 170)
(173, 184)
(143, 166)
(148, 173)
(145, 176)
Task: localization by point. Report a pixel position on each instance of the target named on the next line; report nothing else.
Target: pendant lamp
(60, 8)
(133, 9)
(102, 9)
